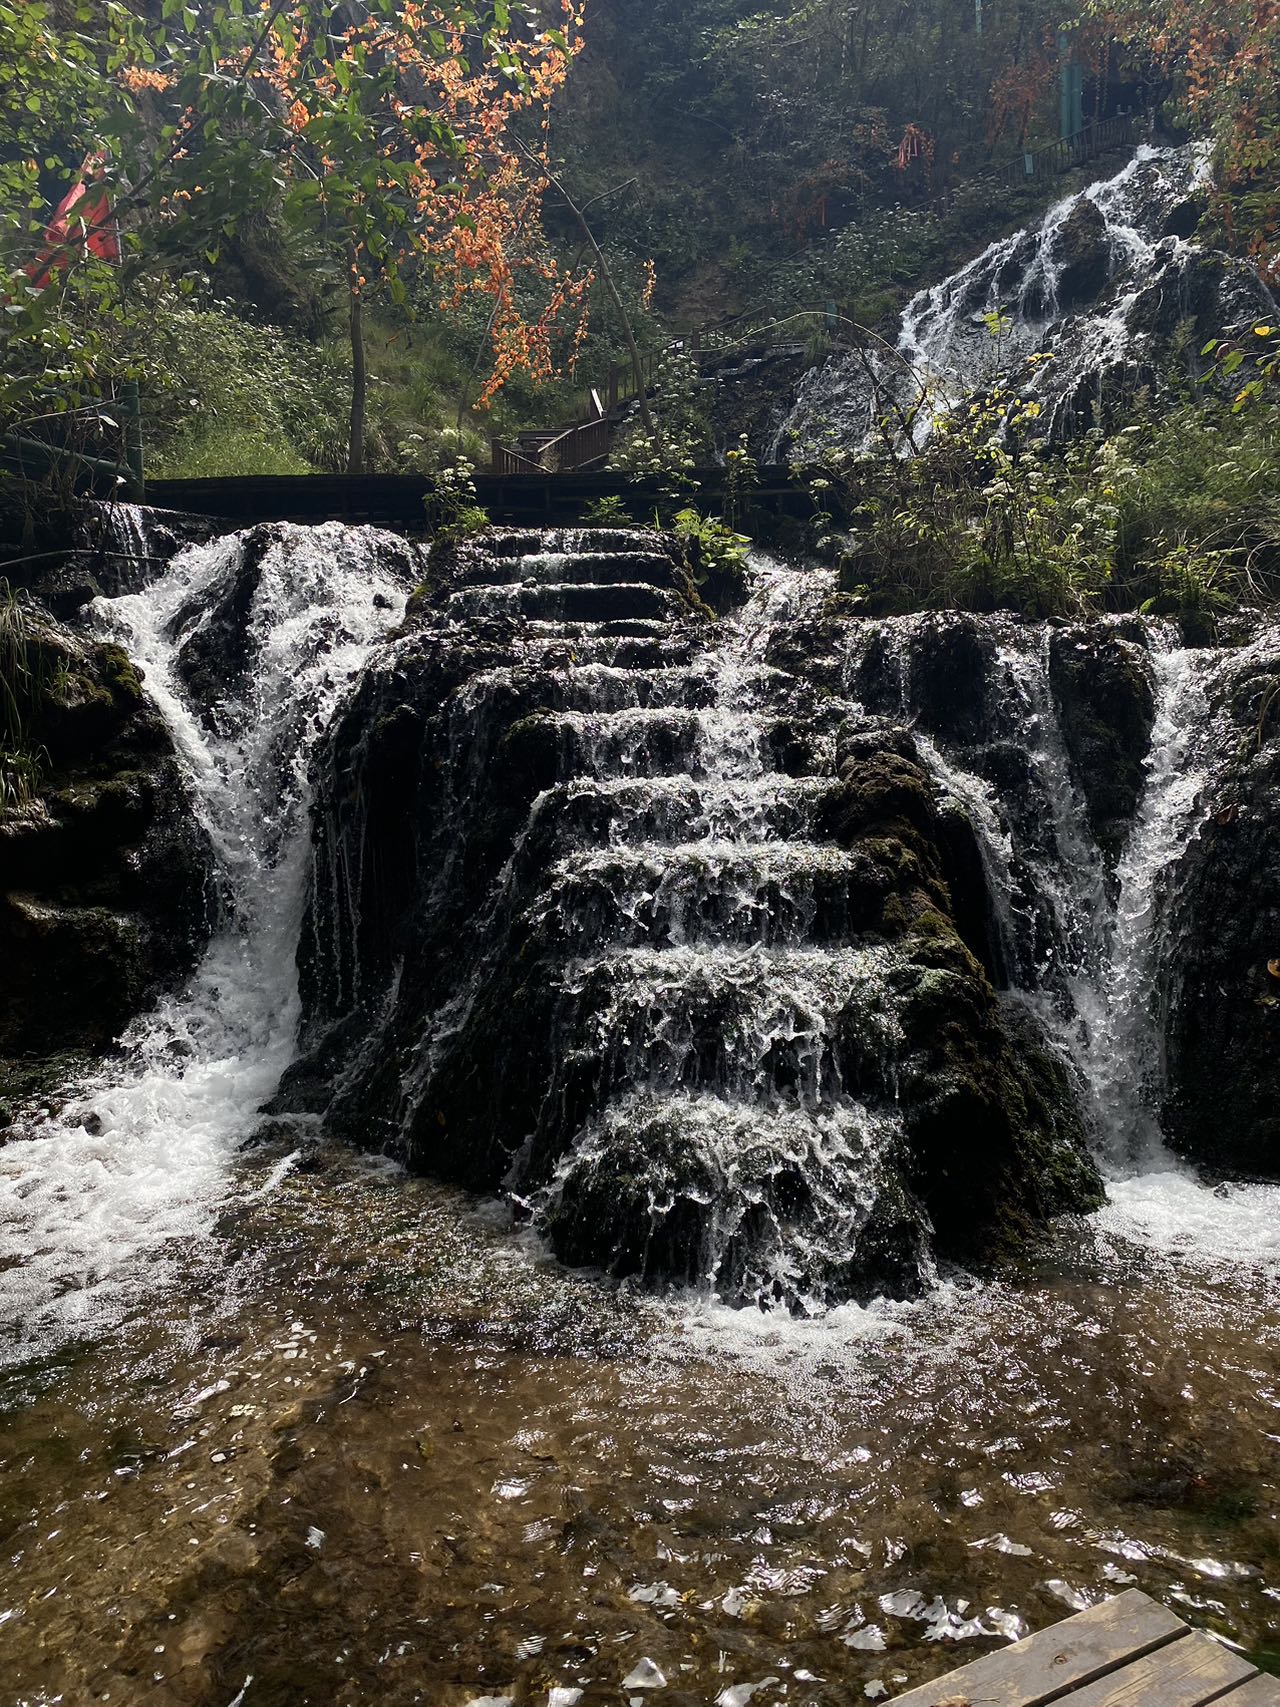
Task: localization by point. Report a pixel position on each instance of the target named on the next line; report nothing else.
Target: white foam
(1177, 1215)
(137, 1162)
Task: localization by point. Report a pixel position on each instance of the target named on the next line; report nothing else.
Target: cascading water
(652, 946)
(1119, 1008)
(719, 988)
(1086, 942)
(137, 1159)
(1098, 288)
(640, 848)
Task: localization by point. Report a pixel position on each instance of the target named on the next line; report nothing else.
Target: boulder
(105, 876)
(1081, 254)
(1223, 936)
(1103, 688)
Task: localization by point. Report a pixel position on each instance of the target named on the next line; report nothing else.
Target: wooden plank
(1046, 1666)
(1184, 1674)
(1258, 1692)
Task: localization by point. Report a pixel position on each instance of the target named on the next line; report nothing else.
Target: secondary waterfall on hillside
(137, 1157)
(1087, 286)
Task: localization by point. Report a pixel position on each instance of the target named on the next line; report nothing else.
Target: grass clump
(22, 759)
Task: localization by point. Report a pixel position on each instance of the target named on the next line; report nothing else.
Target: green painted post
(133, 451)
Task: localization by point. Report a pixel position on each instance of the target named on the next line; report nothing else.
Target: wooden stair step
(1187, 1673)
(1045, 1667)
(1259, 1691)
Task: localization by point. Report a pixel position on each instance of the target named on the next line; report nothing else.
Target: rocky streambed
(754, 977)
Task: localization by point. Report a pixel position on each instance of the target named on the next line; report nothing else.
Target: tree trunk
(359, 377)
(637, 366)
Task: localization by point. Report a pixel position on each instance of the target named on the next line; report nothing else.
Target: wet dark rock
(1224, 997)
(747, 396)
(996, 1142)
(104, 875)
(1103, 688)
(951, 676)
(212, 661)
(1183, 218)
(1081, 249)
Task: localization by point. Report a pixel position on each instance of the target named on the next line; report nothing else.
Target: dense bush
(224, 396)
(682, 438)
(1179, 515)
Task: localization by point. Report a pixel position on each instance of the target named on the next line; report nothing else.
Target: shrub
(224, 396)
(682, 438)
(1180, 515)
(21, 760)
(608, 512)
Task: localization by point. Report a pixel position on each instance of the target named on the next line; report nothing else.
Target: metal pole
(133, 450)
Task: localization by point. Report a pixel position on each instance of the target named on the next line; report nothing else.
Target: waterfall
(135, 1163)
(1090, 947)
(1120, 1026)
(1085, 950)
(719, 989)
(584, 910)
(1097, 287)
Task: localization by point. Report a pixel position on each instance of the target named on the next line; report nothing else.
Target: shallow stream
(374, 1448)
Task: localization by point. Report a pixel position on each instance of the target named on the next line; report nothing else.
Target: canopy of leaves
(1225, 58)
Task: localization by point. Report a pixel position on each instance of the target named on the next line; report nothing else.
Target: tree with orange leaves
(1226, 56)
(389, 130)
(384, 132)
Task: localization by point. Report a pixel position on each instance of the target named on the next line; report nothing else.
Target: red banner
(83, 220)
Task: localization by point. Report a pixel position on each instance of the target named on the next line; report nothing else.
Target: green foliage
(1179, 516)
(741, 479)
(608, 512)
(1255, 356)
(222, 450)
(224, 396)
(202, 119)
(21, 760)
(716, 548)
(453, 507)
(682, 438)
(780, 124)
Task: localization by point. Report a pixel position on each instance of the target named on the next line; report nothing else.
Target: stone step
(697, 894)
(566, 681)
(557, 568)
(648, 741)
(617, 810)
(523, 542)
(570, 602)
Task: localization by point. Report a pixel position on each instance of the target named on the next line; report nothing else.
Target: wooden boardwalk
(1126, 1652)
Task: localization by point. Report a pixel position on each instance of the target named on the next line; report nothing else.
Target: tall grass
(22, 760)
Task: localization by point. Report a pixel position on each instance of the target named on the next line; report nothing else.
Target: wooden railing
(562, 453)
(1094, 139)
(621, 386)
(584, 442)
